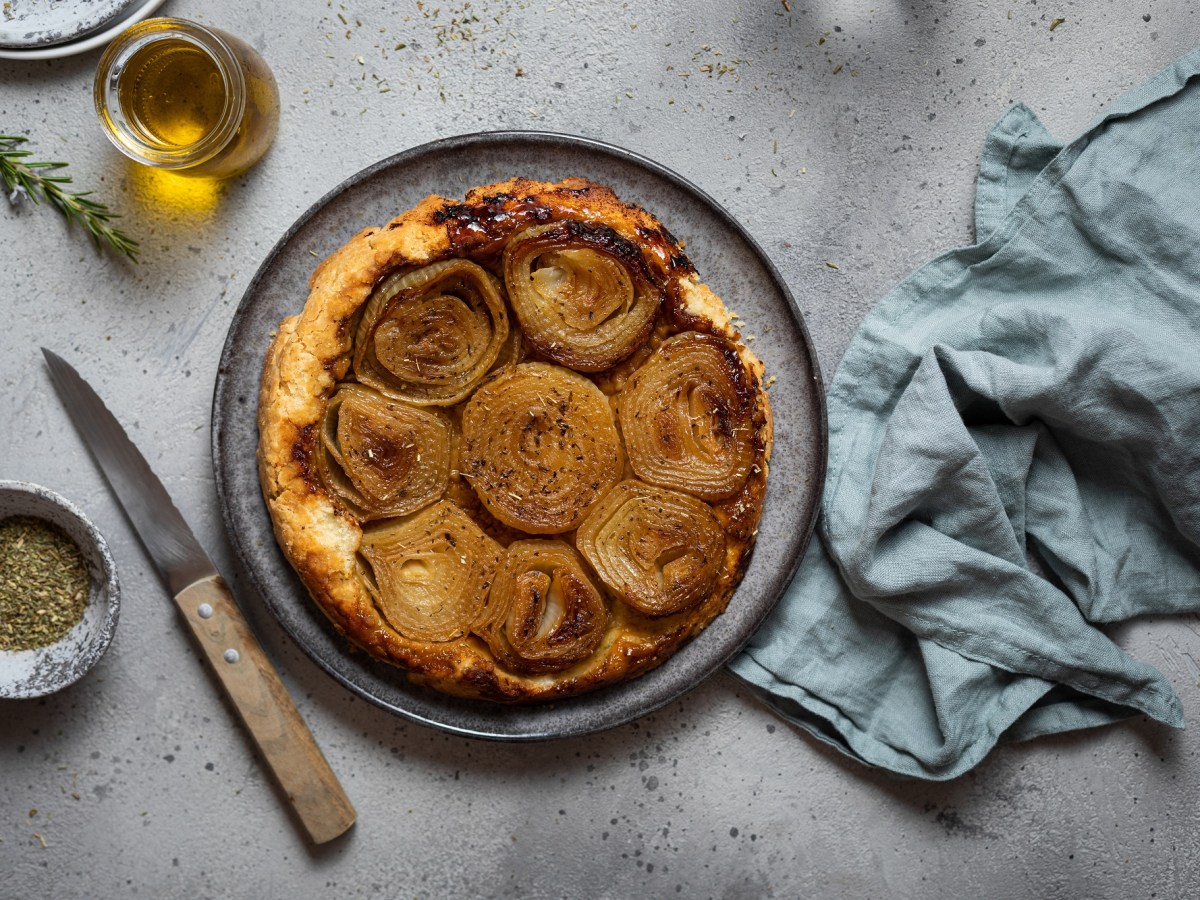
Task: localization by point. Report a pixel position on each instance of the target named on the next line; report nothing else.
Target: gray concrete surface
(837, 131)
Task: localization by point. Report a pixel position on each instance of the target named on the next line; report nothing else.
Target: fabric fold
(1014, 459)
(1015, 152)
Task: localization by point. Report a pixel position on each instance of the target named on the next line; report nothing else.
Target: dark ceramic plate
(726, 257)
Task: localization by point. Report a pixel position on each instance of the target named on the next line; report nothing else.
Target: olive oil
(173, 91)
(181, 96)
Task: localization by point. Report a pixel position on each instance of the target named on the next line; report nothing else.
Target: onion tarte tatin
(513, 444)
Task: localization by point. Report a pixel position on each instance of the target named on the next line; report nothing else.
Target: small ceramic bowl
(44, 670)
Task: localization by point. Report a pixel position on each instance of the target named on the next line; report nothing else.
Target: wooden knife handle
(266, 709)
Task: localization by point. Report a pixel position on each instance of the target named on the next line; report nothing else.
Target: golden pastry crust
(312, 353)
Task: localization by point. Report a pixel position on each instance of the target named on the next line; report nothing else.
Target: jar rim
(129, 139)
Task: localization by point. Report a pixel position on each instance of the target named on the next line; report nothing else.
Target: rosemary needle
(33, 179)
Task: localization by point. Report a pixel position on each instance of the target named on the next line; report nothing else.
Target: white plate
(90, 42)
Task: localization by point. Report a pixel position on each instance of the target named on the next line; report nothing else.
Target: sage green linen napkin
(1014, 459)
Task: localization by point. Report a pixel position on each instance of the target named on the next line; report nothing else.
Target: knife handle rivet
(204, 611)
(231, 655)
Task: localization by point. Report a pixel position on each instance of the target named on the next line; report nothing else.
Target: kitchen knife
(207, 605)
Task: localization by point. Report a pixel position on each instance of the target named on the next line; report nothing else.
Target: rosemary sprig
(33, 180)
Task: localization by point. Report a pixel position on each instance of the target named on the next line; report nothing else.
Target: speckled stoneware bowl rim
(44, 670)
(399, 179)
(87, 42)
(42, 25)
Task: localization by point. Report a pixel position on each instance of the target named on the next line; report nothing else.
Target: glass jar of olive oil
(177, 95)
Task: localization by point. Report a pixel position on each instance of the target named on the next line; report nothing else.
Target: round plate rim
(82, 45)
(456, 142)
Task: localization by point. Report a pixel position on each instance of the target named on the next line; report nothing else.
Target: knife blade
(207, 605)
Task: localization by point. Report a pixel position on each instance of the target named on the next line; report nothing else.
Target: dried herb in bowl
(44, 583)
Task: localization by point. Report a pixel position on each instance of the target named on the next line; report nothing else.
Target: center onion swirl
(687, 418)
(659, 550)
(429, 574)
(431, 335)
(543, 613)
(384, 457)
(540, 447)
(582, 293)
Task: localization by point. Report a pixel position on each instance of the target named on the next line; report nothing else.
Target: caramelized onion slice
(384, 457)
(543, 613)
(429, 574)
(582, 293)
(511, 353)
(660, 551)
(540, 447)
(430, 335)
(687, 417)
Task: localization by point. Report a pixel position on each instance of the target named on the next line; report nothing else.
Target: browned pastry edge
(311, 353)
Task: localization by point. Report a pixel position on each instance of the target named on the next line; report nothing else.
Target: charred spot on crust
(302, 450)
(483, 226)
(667, 236)
(484, 681)
(451, 211)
